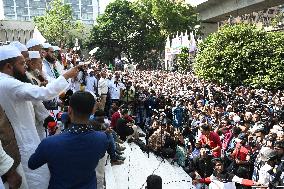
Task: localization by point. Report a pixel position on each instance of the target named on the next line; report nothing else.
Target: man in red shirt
(242, 150)
(211, 139)
(241, 157)
(115, 116)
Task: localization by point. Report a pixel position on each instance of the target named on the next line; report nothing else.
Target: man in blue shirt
(73, 155)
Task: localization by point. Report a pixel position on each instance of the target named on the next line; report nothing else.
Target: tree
(126, 28)
(242, 55)
(174, 16)
(183, 60)
(137, 30)
(58, 25)
(116, 29)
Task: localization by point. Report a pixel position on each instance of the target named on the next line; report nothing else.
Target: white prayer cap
(89, 71)
(21, 47)
(8, 51)
(56, 48)
(34, 54)
(33, 42)
(46, 45)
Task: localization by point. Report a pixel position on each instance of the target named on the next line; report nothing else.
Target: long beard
(21, 77)
(50, 59)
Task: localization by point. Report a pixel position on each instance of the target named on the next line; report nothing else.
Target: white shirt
(16, 98)
(6, 162)
(115, 90)
(216, 184)
(47, 70)
(91, 84)
(103, 86)
(264, 176)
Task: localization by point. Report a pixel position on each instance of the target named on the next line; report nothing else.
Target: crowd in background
(218, 134)
(194, 122)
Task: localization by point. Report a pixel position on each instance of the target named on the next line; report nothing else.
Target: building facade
(25, 10)
(14, 30)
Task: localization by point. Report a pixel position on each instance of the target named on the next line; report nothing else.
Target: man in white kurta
(16, 100)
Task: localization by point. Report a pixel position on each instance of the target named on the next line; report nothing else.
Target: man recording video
(73, 155)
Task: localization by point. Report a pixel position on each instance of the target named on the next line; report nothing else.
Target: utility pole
(15, 9)
(98, 1)
(29, 11)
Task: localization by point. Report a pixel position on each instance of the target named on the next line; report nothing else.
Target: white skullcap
(89, 71)
(34, 54)
(21, 47)
(46, 45)
(56, 48)
(32, 43)
(8, 51)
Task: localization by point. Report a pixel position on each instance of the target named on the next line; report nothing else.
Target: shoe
(118, 152)
(120, 148)
(116, 162)
(120, 157)
(142, 135)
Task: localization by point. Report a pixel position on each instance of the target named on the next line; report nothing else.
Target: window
(21, 3)
(10, 17)
(9, 10)
(37, 12)
(87, 16)
(86, 2)
(8, 3)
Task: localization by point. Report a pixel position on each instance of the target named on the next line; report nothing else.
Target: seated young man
(73, 156)
(125, 129)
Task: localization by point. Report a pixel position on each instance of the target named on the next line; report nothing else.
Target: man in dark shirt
(203, 165)
(124, 127)
(73, 155)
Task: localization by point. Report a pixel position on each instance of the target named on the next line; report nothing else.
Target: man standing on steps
(103, 89)
(16, 100)
(73, 156)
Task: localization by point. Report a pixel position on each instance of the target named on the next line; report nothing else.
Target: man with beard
(50, 72)
(49, 68)
(34, 69)
(16, 100)
(222, 179)
(34, 74)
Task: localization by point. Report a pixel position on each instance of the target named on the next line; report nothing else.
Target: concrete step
(137, 167)
(109, 176)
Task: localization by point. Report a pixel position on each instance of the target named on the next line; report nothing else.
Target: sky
(195, 2)
(103, 4)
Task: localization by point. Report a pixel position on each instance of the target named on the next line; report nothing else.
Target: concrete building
(25, 10)
(212, 12)
(14, 30)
